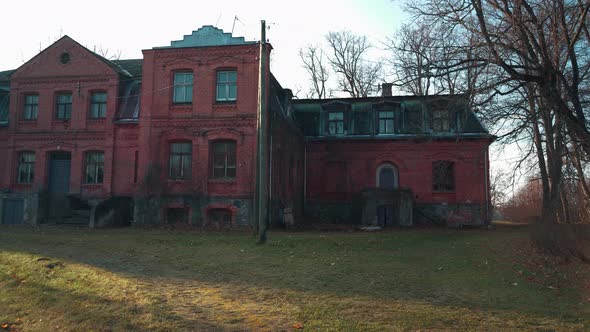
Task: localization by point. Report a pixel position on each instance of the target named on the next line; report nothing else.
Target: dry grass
(131, 279)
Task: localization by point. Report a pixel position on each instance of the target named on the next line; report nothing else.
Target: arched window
(387, 176)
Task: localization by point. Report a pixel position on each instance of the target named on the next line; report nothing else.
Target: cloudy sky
(130, 26)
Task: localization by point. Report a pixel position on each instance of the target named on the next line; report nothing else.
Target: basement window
(220, 217)
(177, 215)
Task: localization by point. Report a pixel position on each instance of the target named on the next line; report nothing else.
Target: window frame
(184, 85)
(30, 107)
(226, 159)
(28, 165)
(386, 120)
(102, 105)
(66, 107)
(335, 122)
(443, 176)
(226, 85)
(184, 158)
(441, 120)
(97, 167)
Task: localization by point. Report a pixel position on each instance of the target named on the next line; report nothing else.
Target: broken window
(443, 176)
(441, 121)
(180, 160)
(336, 123)
(220, 217)
(26, 167)
(31, 107)
(224, 159)
(183, 88)
(94, 167)
(64, 106)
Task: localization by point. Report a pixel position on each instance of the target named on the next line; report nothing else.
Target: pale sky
(130, 26)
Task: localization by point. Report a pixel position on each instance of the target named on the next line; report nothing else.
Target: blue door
(59, 172)
(12, 211)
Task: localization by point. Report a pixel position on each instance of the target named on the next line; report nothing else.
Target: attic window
(64, 58)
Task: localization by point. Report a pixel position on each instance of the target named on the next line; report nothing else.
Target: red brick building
(429, 154)
(172, 137)
(175, 132)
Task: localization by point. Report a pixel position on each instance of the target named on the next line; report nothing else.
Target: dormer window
(441, 121)
(336, 123)
(386, 122)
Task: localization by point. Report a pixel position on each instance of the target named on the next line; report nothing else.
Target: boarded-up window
(413, 119)
(443, 176)
(361, 122)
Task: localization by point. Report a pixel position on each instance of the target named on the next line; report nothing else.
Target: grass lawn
(434, 279)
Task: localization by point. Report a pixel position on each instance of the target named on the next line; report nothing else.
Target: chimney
(386, 89)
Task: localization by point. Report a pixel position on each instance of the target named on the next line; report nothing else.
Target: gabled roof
(207, 35)
(123, 67)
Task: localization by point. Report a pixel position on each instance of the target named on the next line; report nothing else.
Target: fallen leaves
(297, 326)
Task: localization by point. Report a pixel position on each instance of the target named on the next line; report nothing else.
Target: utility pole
(261, 161)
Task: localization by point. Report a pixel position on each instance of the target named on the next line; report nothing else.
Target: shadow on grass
(437, 267)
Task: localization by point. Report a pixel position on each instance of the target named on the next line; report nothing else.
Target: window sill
(91, 185)
(181, 107)
(178, 180)
(223, 180)
(96, 120)
(225, 105)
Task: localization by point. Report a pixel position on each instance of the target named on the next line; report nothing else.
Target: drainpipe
(304, 175)
(487, 185)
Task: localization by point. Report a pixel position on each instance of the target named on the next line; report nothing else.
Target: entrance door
(385, 215)
(59, 172)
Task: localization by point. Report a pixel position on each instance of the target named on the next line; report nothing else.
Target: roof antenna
(234, 25)
(218, 18)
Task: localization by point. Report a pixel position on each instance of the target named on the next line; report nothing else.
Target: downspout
(269, 209)
(487, 186)
(304, 176)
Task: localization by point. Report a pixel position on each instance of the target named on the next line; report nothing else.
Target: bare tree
(356, 75)
(313, 61)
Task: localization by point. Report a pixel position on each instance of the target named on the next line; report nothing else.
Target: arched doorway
(387, 176)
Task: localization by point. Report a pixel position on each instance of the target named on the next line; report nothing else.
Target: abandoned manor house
(174, 138)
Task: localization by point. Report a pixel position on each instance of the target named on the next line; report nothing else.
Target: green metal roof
(207, 35)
